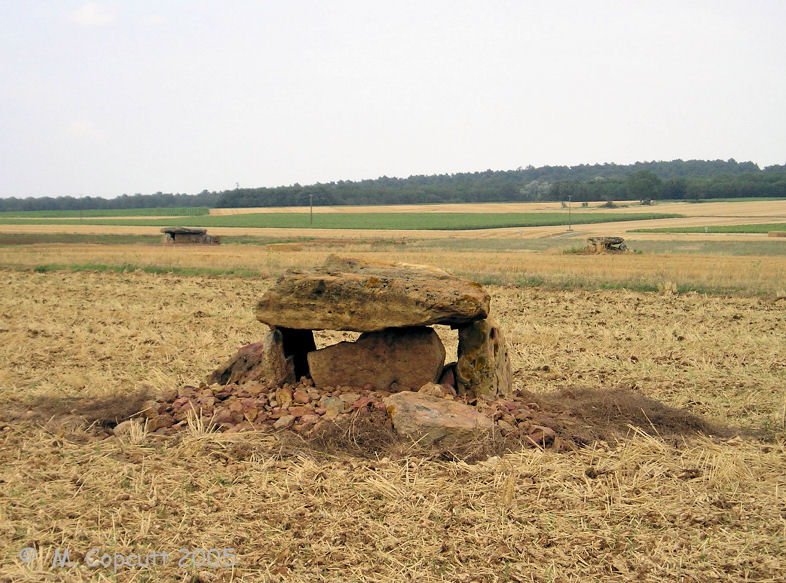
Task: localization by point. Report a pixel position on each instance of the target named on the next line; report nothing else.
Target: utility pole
(570, 223)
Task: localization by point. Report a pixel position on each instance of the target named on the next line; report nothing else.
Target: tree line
(82, 203)
(676, 179)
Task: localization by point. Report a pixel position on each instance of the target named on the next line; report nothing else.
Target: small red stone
(361, 402)
(300, 396)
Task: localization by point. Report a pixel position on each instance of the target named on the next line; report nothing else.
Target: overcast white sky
(105, 98)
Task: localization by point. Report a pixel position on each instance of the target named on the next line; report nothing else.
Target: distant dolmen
(185, 236)
(605, 245)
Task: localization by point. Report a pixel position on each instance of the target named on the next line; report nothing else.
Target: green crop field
(19, 239)
(385, 221)
(148, 212)
(760, 228)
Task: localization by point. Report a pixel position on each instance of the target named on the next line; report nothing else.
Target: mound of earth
(314, 413)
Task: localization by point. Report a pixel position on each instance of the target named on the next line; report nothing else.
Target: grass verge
(156, 269)
(19, 239)
(15, 239)
(546, 282)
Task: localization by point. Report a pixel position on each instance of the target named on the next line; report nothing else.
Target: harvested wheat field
(743, 273)
(671, 407)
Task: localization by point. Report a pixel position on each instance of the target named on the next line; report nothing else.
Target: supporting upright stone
(260, 361)
(393, 359)
(483, 366)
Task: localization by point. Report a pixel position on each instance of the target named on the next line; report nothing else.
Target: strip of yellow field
(494, 207)
(578, 232)
(756, 208)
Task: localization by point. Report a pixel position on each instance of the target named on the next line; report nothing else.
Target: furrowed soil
(675, 403)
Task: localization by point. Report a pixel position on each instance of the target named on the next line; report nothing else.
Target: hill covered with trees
(677, 179)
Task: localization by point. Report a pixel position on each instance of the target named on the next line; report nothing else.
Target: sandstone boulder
(432, 420)
(483, 366)
(260, 361)
(393, 359)
(368, 296)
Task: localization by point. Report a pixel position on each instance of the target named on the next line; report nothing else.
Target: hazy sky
(105, 98)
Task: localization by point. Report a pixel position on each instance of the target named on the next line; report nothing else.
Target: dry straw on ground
(645, 499)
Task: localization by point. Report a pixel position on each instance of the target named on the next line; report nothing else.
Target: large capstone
(393, 359)
(367, 296)
(483, 366)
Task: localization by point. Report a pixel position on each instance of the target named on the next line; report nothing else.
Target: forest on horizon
(644, 181)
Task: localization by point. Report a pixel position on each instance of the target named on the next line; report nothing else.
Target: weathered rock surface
(394, 359)
(435, 390)
(432, 420)
(367, 296)
(259, 361)
(483, 366)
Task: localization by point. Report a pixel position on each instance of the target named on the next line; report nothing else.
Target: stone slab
(367, 296)
(394, 359)
(430, 420)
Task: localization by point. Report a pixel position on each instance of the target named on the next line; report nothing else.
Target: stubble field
(674, 404)
(642, 497)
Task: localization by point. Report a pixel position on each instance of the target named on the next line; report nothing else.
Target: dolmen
(184, 235)
(393, 306)
(605, 245)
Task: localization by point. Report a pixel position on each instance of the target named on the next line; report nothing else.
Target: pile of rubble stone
(309, 411)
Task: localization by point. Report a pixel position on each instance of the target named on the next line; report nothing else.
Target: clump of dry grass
(646, 500)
